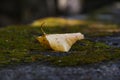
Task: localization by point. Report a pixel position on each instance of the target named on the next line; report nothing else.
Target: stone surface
(36, 71)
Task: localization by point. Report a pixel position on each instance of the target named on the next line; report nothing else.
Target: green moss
(91, 52)
(17, 42)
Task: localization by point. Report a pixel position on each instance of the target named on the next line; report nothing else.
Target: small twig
(42, 29)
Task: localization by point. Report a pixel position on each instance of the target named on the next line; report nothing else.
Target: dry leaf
(60, 42)
(55, 21)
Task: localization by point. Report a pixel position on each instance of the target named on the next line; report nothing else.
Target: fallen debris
(59, 42)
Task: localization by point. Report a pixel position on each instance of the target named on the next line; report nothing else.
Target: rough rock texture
(101, 71)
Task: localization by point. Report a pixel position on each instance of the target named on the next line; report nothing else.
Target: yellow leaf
(60, 42)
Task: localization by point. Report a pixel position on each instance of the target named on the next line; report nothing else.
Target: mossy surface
(17, 42)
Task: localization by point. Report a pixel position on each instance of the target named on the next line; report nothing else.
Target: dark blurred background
(26, 11)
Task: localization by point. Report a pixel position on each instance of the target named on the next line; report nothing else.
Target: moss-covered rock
(17, 42)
